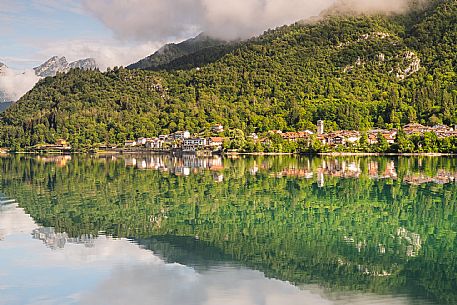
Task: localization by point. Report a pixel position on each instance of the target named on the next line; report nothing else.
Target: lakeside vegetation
(356, 73)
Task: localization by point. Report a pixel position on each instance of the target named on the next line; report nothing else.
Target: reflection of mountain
(366, 234)
(184, 250)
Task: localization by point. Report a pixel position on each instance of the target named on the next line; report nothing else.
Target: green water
(352, 227)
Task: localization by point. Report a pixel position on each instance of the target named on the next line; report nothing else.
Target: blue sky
(30, 25)
(32, 31)
(120, 32)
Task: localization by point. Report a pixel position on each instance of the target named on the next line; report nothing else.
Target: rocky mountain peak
(57, 64)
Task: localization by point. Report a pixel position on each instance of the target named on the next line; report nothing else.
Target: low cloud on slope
(152, 20)
(15, 84)
(157, 19)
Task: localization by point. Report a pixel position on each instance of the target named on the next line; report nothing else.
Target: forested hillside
(187, 54)
(354, 72)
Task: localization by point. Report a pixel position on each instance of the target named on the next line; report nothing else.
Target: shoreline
(234, 154)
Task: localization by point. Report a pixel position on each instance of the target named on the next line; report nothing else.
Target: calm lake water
(266, 230)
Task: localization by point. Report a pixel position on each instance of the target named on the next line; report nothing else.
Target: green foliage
(347, 71)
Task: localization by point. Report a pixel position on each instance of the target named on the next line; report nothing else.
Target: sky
(35, 30)
(121, 32)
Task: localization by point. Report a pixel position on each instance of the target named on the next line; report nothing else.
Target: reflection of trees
(369, 234)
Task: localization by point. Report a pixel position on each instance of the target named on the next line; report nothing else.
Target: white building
(130, 143)
(180, 135)
(320, 127)
(217, 128)
(154, 143)
(194, 144)
(141, 141)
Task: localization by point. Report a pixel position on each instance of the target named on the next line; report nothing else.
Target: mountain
(354, 72)
(57, 64)
(178, 56)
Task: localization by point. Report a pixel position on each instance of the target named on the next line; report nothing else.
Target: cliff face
(57, 64)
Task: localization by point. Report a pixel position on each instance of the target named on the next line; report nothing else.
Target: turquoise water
(264, 230)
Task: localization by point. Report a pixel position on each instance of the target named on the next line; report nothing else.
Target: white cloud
(151, 20)
(15, 84)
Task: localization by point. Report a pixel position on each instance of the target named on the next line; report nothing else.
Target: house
(415, 128)
(216, 142)
(163, 137)
(337, 140)
(130, 143)
(181, 135)
(351, 136)
(62, 142)
(294, 136)
(389, 135)
(154, 143)
(276, 131)
(254, 136)
(194, 144)
(141, 141)
(218, 128)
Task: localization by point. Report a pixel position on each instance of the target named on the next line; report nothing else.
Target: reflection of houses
(182, 166)
(389, 173)
(55, 240)
(442, 177)
(60, 161)
(413, 240)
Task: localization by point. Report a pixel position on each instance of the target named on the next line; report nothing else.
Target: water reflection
(117, 271)
(304, 230)
(308, 168)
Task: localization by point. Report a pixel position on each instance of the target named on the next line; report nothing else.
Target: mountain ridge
(354, 72)
(172, 52)
(57, 64)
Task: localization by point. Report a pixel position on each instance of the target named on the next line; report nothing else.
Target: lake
(250, 230)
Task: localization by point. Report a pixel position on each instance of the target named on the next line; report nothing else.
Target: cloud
(375, 6)
(15, 84)
(151, 20)
(170, 284)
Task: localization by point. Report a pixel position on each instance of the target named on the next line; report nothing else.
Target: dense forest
(363, 234)
(354, 72)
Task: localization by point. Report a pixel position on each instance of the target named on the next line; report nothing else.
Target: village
(221, 140)
(185, 142)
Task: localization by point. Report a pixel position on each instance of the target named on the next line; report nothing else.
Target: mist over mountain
(14, 84)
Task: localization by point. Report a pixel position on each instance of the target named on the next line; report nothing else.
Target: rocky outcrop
(57, 64)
